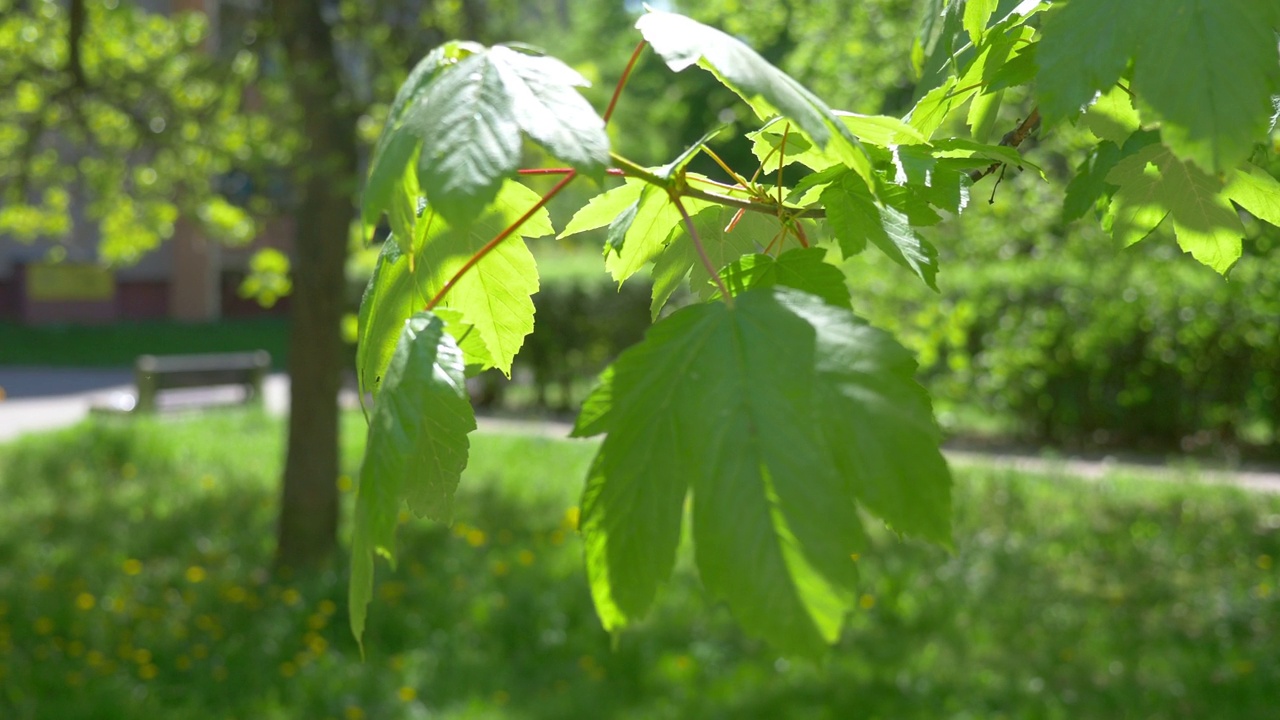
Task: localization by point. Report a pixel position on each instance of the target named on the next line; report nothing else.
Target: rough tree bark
(326, 176)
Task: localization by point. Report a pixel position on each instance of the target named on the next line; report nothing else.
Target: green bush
(1075, 341)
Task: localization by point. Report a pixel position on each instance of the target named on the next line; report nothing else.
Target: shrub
(1078, 342)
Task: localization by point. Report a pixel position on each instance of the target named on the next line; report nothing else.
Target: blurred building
(187, 278)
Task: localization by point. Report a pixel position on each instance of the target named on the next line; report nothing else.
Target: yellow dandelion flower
(75, 648)
(353, 713)
(556, 537)
(132, 566)
(461, 529)
(315, 621)
(85, 601)
(43, 626)
(75, 679)
(182, 662)
(345, 484)
(866, 602)
(571, 517)
(290, 597)
(403, 516)
(236, 594)
(148, 672)
(525, 558)
(207, 482)
(476, 538)
(407, 694)
(500, 568)
(328, 607)
(199, 651)
(196, 574)
(1264, 562)
(142, 656)
(205, 622)
(316, 643)
(43, 582)
(94, 658)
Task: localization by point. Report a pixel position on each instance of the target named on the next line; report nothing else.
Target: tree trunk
(325, 174)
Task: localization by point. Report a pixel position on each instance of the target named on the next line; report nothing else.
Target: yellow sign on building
(60, 282)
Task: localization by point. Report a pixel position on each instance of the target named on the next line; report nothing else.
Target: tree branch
(1012, 139)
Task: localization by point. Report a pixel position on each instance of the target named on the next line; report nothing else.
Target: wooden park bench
(158, 373)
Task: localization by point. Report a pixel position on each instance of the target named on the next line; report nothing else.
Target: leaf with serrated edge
(878, 422)
(679, 259)
(1068, 77)
(1210, 77)
(471, 117)
(551, 111)
(750, 466)
(855, 217)
(603, 208)
(1154, 183)
(804, 269)
(494, 295)
(416, 452)
(1137, 205)
(1254, 190)
(683, 42)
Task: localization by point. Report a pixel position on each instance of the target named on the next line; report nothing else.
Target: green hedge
(1074, 340)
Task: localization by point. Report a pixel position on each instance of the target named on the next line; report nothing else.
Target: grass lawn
(132, 586)
(119, 344)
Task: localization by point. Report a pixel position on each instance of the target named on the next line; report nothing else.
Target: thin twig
(631, 169)
(1011, 139)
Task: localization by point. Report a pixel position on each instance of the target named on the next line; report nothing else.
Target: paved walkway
(39, 399)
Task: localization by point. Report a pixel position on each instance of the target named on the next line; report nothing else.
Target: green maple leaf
(1256, 191)
(494, 296)
(804, 269)
(752, 408)
(683, 42)
(1205, 68)
(856, 217)
(752, 233)
(464, 116)
(1154, 184)
(489, 308)
(416, 452)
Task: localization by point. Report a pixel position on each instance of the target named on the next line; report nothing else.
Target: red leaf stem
(506, 233)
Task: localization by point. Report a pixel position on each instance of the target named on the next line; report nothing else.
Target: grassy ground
(119, 344)
(131, 586)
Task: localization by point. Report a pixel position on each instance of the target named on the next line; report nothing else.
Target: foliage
(1147, 349)
(132, 589)
(106, 101)
(775, 408)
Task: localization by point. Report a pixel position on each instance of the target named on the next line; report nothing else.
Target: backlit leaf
(683, 42)
(416, 451)
(725, 401)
